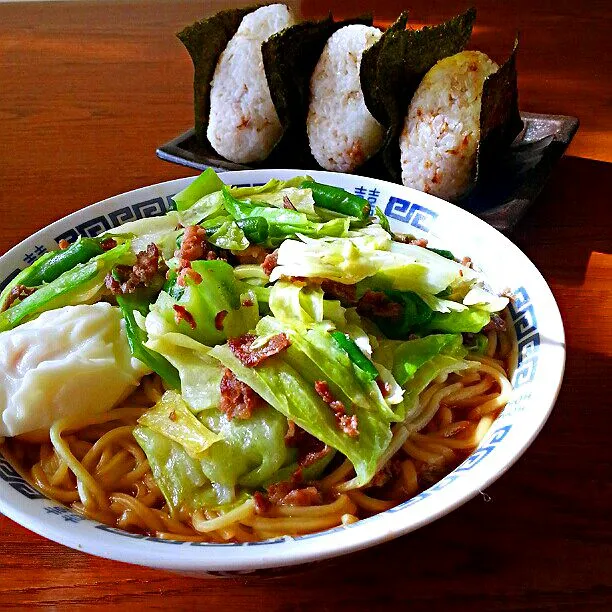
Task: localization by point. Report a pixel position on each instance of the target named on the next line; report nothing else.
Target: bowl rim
(289, 551)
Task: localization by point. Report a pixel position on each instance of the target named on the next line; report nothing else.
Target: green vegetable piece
(206, 208)
(382, 219)
(172, 287)
(200, 374)
(415, 364)
(228, 236)
(208, 182)
(255, 228)
(415, 314)
(338, 200)
(53, 264)
(282, 222)
(316, 356)
(137, 337)
(74, 286)
(355, 354)
(284, 388)
(251, 451)
(415, 414)
(205, 40)
(412, 354)
(310, 472)
(179, 477)
(172, 418)
(469, 320)
(78, 252)
(243, 210)
(273, 186)
(446, 254)
(221, 306)
(404, 57)
(289, 59)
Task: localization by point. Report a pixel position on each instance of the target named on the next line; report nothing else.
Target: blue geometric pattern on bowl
(522, 313)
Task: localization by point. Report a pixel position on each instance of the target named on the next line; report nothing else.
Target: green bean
(255, 228)
(355, 355)
(442, 252)
(53, 264)
(136, 338)
(338, 200)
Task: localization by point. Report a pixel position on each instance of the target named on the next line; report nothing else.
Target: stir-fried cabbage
(344, 357)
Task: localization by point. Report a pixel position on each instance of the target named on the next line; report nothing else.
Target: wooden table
(87, 92)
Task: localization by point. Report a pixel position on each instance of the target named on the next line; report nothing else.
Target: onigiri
(243, 125)
(441, 131)
(341, 131)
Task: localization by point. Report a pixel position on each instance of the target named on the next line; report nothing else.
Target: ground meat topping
(495, 324)
(18, 292)
(322, 389)
(270, 262)
(288, 204)
(238, 400)
(262, 503)
(126, 279)
(194, 246)
(383, 476)
(289, 494)
(308, 496)
(182, 314)
(346, 423)
(188, 273)
(385, 387)
(410, 239)
(219, 318)
(347, 294)
(377, 304)
(310, 449)
(250, 357)
(108, 244)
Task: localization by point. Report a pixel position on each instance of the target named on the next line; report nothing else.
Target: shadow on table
(570, 220)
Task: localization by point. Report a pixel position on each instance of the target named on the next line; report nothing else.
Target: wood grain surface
(87, 92)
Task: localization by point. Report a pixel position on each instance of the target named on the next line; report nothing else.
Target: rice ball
(341, 131)
(243, 125)
(441, 132)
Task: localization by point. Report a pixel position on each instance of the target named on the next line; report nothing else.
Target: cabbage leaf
(286, 390)
(172, 418)
(179, 477)
(200, 374)
(208, 182)
(219, 291)
(251, 450)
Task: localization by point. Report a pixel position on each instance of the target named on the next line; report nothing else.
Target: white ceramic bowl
(536, 380)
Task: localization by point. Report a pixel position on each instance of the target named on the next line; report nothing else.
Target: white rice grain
(243, 125)
(341, 131)
(441, 132)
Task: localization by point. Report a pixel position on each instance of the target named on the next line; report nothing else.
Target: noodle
(95, 465)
